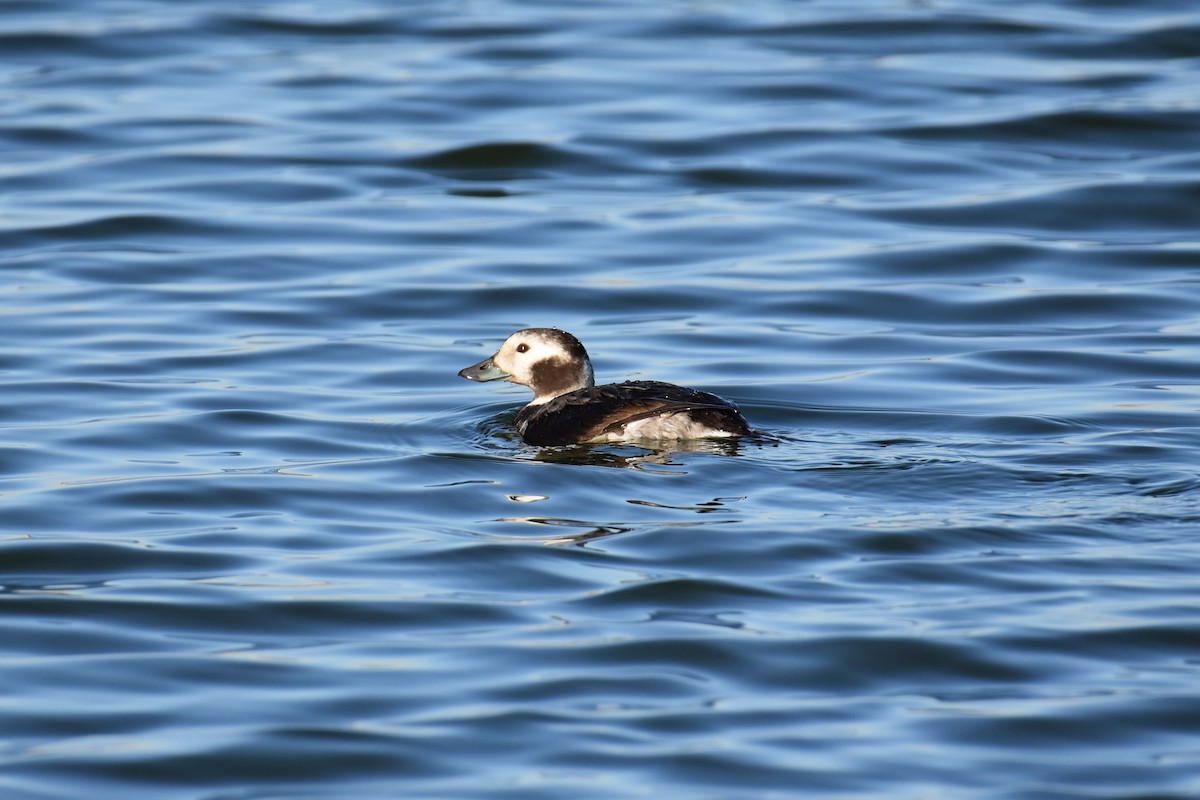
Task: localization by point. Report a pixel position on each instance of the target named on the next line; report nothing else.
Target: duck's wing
(593, 413)
(655, 399)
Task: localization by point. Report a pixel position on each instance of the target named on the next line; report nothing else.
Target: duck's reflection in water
(583, 531)
(589, 531)
(657, 457)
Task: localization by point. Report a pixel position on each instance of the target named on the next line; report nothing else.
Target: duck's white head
(549, 361)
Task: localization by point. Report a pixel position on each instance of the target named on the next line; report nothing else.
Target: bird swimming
(569, 408)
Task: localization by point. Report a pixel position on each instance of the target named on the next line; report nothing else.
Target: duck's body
(629, 411)
(568, 408)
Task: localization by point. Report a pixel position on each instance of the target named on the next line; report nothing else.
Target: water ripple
(260, 541)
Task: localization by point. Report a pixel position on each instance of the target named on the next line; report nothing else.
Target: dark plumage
(604, 412)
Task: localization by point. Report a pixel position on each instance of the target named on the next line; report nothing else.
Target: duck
(569, 408)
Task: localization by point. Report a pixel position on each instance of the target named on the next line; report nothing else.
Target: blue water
(258, 540)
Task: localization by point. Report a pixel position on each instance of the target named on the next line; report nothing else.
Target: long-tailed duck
(568, 407)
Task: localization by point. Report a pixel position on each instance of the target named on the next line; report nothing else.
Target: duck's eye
(522, 348)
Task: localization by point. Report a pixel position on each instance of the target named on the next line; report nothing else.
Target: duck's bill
(485, 370)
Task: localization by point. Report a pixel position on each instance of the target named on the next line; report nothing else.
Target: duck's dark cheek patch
(551, 376)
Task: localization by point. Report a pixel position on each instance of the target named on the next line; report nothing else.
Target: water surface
(257, 540)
